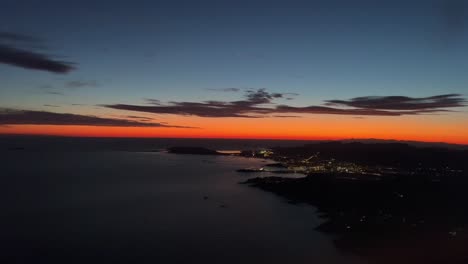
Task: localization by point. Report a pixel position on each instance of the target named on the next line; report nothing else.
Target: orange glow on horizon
(265, 129)
(429, 128)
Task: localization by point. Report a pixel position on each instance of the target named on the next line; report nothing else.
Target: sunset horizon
(234, 70)
(150, 135)
(255, 114)
(246, 131)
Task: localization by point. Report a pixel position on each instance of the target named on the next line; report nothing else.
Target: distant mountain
(409, 142)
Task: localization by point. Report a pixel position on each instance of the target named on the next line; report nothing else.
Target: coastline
(370, 208)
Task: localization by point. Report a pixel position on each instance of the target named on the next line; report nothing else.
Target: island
(193, 151)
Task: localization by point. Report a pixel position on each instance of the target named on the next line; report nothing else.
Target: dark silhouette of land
(392, 203)
(193, 151)
(379, 154)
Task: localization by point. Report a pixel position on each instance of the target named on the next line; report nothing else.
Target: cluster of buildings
(316, 164)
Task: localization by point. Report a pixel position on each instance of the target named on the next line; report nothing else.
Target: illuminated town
(316, 164)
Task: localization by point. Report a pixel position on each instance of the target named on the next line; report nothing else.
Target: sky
(235, 69)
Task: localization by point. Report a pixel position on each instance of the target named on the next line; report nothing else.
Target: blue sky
(178, 50)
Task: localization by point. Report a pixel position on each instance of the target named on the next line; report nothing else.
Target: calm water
(116, 206)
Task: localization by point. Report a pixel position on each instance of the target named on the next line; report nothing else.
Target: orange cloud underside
(435, 129)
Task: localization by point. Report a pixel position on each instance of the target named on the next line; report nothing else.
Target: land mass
(193, 151)
(375, 196)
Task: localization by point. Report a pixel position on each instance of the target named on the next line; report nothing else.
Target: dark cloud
(49, 89)
(28, 117)
(54, 92)
(324, 110)
(287, 116)
(49, 105)
(224, 89)
(80, 84)
(260, 103)
(142, 118)
(261, 96)
(11, 54)
(402, 102)
(243, 108)
(153, 101)
(32, 60)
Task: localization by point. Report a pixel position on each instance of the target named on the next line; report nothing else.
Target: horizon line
(229, 138)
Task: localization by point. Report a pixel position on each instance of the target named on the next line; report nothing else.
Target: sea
(68, 200)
